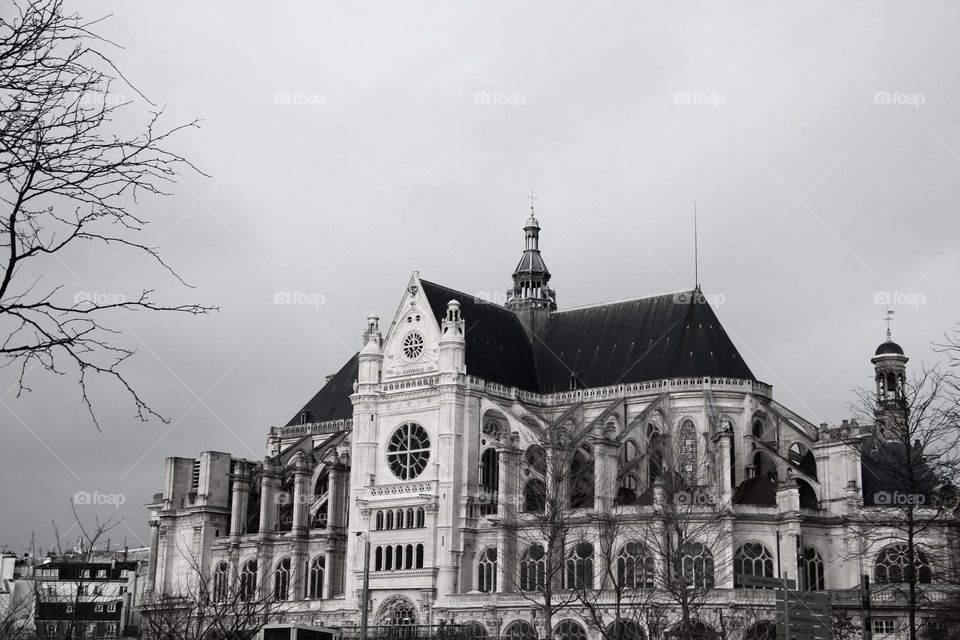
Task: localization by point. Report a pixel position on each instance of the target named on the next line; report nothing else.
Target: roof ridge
(475, 299)
(623, 300)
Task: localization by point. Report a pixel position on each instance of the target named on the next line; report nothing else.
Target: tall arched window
(625, 630)
(399, 519)
(398, 557)
(489, 481)
(581, 479)
(579, 567)
(388, 558)
(813, 579)
(408, 560)
(419, 558)
(281, 580)
(534, 496)
(892, 564)
(688, 452)
(248, 580)
(411, 522)
(697, 564)
(753, 560)
(569, 630)
(635, 567)
(315, 586)
(378, 559)
(487, 570)
(379, 521)
(519, 630)
(221, 582)
(626, 463)
(389, 524)
(421, 517)
(533, 568)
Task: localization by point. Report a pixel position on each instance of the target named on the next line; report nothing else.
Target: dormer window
(304, 417)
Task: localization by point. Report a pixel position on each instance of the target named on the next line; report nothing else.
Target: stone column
(510, 503)
(154, 555)
(605, 452)
(328, 569)
(240, 500)
(269, 483)
(724, 440)
(301, 496)
(334, 507)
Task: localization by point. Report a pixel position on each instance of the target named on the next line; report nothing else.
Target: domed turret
(890, 375)
(531, 294)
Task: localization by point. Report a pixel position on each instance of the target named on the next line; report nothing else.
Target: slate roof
(332, 402)
(884, 468)
(666, 336)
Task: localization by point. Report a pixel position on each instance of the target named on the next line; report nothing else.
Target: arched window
(579, 569)
(581, 479)
(315, 587)
(419, 559)
(487, 570)
(248, 580)
(221, 582)
(533, 568)
(389, 519)
(697, 563)
(397, 611)
(891, 566)
(492, 429)
(398, 557)
(378, 559)
(281, 580)
(421, 517)
(534, 496)
(635, 567)
(569, 630)
(411, 522)
(474, 631)
(813, 573)
(624, 630)
(688, 452)
(753, 560)
(536, 458)
(388, 558)
(489, 481)
(399, 519)
(408, 561)
(764, 630)
(519, 630)
(379, 521)
(758, 430)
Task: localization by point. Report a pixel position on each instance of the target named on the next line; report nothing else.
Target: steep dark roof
(885, 468)
(332, 402)
(667, 336)
(756, 490)
(498, 348)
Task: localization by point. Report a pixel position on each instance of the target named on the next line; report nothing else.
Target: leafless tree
(206, 604)
(911, 442)
(71, 176)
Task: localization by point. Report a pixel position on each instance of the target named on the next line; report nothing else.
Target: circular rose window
(408, 451)
(413, 345)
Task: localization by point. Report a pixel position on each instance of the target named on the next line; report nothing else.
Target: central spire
(531, 279)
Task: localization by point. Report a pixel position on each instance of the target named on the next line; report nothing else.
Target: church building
(417, 476)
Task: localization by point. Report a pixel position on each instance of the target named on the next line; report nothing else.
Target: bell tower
(531, 297)
(890, 374)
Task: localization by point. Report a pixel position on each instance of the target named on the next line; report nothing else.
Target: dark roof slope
(498, 348)
(886, 469)
(332, 402)
(667, 336)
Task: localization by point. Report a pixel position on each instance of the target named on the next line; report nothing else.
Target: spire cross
(532, 198)
(888, 317)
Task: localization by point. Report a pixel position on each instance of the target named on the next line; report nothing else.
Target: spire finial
(888, 317)
(696, 256)
(532, 198)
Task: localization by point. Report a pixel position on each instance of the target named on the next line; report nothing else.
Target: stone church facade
(427, 446)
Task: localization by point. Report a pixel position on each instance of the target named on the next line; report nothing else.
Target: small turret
(890, 374)
(531, 296)
(453, 340)
(371, 354)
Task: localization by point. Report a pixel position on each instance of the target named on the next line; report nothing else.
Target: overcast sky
(349, 144)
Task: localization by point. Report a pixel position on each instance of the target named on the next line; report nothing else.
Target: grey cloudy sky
(351, 143)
